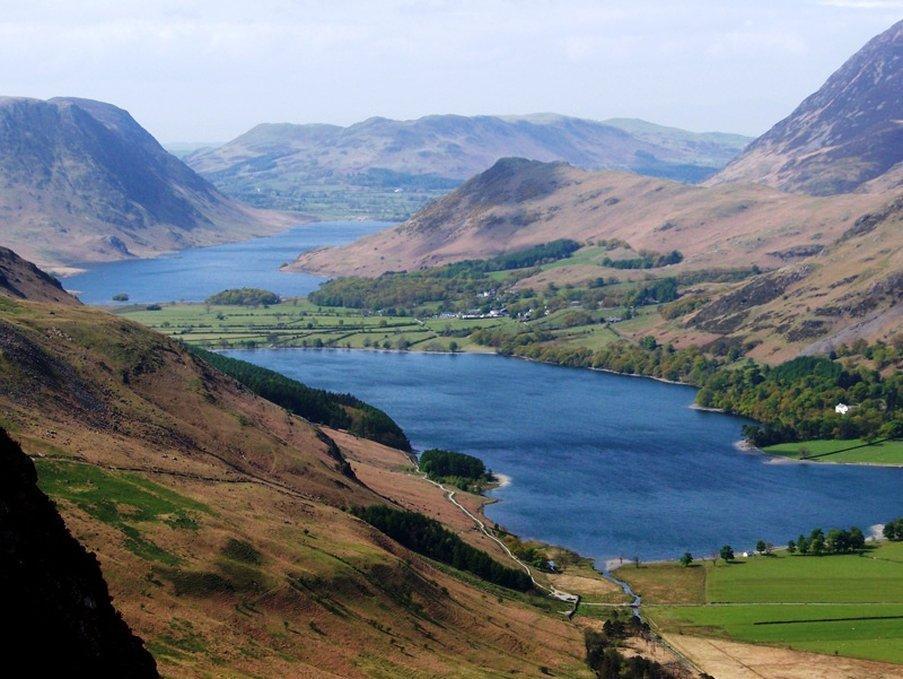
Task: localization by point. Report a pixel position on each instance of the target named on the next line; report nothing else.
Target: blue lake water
(194, 274)
(604, 464)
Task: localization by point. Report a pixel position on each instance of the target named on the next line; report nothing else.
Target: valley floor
(848, 605)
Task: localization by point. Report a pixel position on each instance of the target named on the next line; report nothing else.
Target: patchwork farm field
(847, 604)
(299, 323)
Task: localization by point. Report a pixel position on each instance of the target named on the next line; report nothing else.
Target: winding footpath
(551, 591)
(573, 599)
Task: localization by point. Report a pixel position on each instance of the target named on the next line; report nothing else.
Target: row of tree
(837, 541)
(428, 537)
(341, 411)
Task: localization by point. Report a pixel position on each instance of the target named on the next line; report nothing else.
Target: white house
(841, 409)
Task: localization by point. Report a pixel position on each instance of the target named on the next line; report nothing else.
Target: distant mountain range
(842, 138)
(81, 181)
(833, 263)
(387, 168)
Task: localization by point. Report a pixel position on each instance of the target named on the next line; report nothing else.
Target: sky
(208, 71)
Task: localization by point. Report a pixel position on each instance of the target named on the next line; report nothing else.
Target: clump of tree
(244, 297)
(837, 541)
(607, 662)
(428, 537)
(893, 530)
(646, 260)
(342, 411)
(459, 469)
(121, 297)
(654, 292)
(795, 400)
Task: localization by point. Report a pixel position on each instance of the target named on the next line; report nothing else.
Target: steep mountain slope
(294, 165)
(60, 618)
(219, 519)
(81, 181)
(22, 279)
(847, 133)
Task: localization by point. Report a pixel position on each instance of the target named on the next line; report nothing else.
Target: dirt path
(555, 593)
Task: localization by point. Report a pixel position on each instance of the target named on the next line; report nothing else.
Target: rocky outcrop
(59, 618)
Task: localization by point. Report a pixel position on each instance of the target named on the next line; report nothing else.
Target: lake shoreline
(742, 445)
(78, 268)
(194, 273)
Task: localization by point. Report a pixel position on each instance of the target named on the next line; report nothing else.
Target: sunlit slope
(219, 519)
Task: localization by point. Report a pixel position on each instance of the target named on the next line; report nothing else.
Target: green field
(873, 631)
(850, 604)
(298, 323)
(848, 450)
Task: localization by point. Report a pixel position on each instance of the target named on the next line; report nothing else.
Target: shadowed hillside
(23, 280)
(55, 601)
(81, 181)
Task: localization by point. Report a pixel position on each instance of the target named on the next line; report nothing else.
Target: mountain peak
(847, 133)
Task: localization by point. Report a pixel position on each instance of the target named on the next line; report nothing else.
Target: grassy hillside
(219, 519)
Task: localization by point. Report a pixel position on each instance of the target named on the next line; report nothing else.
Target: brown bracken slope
(220, 520)
(518, 203)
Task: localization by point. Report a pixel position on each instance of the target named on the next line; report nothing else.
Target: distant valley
(387, 169)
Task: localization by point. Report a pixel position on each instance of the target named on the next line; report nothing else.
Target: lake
(194, 274)
(604, 464)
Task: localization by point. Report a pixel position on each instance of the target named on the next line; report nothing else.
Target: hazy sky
(207, 71)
